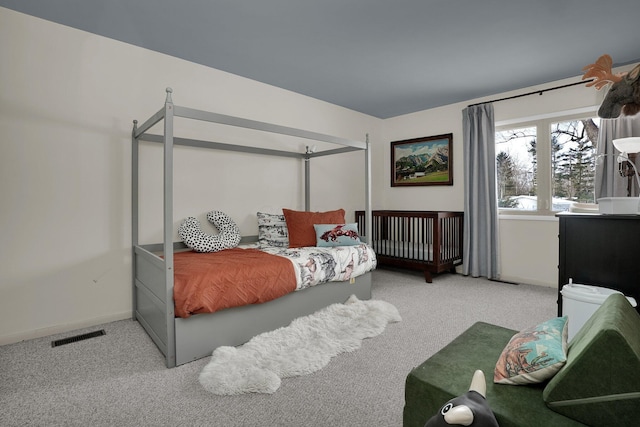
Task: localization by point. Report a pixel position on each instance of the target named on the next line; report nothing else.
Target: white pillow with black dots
(192, 235)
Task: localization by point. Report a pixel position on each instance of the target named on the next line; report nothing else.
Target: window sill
(551, 216)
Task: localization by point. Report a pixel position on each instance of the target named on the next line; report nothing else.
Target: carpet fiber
(305, 346)
(120, 379)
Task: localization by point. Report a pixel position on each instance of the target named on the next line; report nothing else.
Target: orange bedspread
(208, 282)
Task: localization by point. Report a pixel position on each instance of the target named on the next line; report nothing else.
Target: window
(546, 165)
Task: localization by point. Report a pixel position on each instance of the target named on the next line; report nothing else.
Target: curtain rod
(539, 92)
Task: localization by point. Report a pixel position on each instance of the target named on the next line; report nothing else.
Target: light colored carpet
(301, 348)
(119, 379)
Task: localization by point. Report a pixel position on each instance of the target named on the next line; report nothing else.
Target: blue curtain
(481, 240)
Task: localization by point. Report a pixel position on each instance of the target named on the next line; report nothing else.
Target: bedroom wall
(67, 101)
(528, 244)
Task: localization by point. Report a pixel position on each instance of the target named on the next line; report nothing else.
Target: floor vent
(77, 338)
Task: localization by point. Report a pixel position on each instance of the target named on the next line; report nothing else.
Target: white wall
(67, 101)
(436, 121)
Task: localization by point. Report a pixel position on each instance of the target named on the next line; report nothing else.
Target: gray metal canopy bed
(182, 340)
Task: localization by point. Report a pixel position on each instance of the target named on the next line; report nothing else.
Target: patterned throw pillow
(196, 239)
(337, 234)
(272, 230)
(534, 355)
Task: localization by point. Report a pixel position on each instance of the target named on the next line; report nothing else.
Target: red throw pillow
(300, 225)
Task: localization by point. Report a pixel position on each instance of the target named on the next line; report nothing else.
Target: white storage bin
(618, 205)
(579, 302)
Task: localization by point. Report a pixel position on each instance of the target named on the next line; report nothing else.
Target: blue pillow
(337, 234)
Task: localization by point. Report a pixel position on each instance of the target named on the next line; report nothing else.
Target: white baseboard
(59, 329)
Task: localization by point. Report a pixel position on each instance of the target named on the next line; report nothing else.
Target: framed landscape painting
(422, 161)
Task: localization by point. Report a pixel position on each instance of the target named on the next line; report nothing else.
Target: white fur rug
(303, 347)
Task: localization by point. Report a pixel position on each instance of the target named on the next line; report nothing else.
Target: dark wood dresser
(600, 250)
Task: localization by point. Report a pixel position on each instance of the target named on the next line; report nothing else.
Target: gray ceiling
(380, 57)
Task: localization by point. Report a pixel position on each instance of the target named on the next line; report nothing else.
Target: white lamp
(627, 145)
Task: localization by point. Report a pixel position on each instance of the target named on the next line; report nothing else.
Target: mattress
(209, 282)
(408, 250)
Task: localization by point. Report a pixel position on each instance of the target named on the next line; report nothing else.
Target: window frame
(544, 180)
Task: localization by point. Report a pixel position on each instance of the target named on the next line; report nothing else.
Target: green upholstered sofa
(598, 386)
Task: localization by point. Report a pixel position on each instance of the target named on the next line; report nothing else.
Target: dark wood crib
(429, 241)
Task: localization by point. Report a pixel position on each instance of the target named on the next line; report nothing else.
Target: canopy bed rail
(429, 241)
(185, 339)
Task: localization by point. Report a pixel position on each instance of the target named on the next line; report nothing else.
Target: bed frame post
(367, 194)
(134, 213)
(168, 229)
(307, 179)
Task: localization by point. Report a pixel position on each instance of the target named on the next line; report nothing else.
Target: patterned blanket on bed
(315, 265)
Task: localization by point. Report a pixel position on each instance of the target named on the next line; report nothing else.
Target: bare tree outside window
(574, 145)
(516, 168)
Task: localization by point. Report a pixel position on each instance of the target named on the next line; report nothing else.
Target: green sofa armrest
(600, 383)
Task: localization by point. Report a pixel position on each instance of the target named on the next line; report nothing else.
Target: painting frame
(408, 173)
